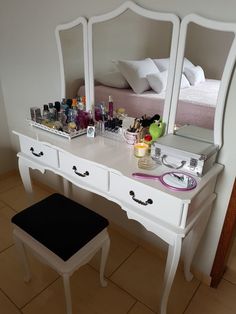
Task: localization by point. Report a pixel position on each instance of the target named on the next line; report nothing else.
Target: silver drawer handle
(164, 162)
(85, 174)
(35, 154)
(148, 201)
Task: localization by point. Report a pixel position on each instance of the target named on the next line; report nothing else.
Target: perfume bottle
(110, 107)
(52, 112)
(45, 112)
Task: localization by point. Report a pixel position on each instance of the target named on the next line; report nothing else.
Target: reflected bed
(196, 103)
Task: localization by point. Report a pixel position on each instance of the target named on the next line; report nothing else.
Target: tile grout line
(9, 206)
(137, 300)
(9, 299)
(114, 283)
(37, 294)
(228, 280)
(109, 278)
(132, 306)
(191, 299)
(5, 249)
(131, 253)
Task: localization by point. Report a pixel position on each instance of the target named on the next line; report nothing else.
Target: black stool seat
(60, 224)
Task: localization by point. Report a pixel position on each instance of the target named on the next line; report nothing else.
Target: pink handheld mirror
(174, 180)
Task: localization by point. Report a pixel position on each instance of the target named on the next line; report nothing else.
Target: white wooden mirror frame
(178, 42)
(79, 21)
(166, 17)
(226, 77)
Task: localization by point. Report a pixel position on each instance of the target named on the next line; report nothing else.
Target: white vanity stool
(64, 235)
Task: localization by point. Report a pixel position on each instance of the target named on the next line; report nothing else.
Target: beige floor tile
(142, 276)
(214, 301)
(230, 273)
(140, 308)
(88, 296)
(9, 181)
(6, 306)
(6, 238)
(2, 204)
(17, 198)
(120, 249)
(11, 277)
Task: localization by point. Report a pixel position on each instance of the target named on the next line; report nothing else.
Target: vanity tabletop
(116, 156)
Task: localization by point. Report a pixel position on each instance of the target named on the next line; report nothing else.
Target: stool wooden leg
(104, 255)
(24, 259)
(66, 282)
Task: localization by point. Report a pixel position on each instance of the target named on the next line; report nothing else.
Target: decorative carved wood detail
(225, 241)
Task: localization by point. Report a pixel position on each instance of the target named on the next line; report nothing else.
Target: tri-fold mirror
(125, 46)
(72, 45)
(150, 63)
(198, 110)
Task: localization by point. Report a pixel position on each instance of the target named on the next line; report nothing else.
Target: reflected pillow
(163, 63)
(158, 81)
(184, 82)
(113, 79)
(188, 64)
(135, 73)
(195, 75)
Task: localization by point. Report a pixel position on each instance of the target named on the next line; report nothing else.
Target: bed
(196, 103)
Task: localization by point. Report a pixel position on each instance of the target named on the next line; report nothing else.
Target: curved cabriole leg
(25, 175)
(23, 256)
(104, 256)
(67, 187)
(170, 270)
(66, 282)
(191, 242)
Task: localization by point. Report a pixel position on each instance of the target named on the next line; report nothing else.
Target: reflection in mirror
(178, 181)
(207, 50)
(72, 48)
(130, 49)
(206, 56)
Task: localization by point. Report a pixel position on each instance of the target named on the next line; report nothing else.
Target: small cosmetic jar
(140, 149)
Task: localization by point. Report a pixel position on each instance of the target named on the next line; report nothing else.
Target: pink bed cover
(196, 103)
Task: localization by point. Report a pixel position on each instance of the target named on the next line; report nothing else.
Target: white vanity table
(105, 167)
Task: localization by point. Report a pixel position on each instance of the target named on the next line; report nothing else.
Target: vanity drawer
(84, 171)
(150, 200)
(39, 151)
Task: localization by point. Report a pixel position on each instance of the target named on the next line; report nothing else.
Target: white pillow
(158, 81)
(188, 64)
(135, 73)
(195, 75)
(113, 79)
(184, 82)
(163, 63)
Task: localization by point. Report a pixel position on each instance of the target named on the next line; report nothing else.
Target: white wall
(30, 76)
(128, 36)
(73, 59)
(209, 49)
(7, 156)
